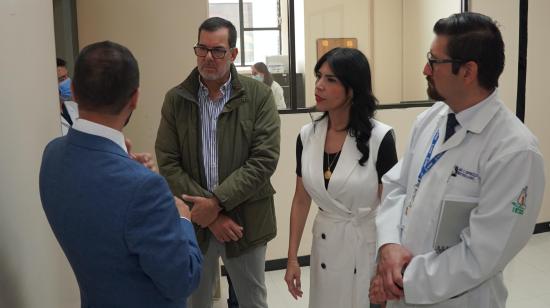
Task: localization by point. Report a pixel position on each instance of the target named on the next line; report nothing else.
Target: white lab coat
(278, 95)
(496, 157)
(344, 233)
(72, 109)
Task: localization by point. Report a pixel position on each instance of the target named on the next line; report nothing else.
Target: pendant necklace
(328, 173)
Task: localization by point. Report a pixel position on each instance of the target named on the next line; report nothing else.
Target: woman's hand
(292, 278)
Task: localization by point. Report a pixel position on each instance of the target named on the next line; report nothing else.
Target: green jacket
(248, 137)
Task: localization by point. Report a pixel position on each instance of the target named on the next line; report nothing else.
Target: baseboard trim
(279, 264)
(542, 227)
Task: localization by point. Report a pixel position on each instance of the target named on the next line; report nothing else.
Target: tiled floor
(527, 278)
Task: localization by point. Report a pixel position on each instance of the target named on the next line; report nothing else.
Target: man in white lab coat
(467, 148)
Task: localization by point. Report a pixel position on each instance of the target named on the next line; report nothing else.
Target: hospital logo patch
(519, 206)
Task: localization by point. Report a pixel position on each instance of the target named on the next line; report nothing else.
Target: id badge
(411, 200)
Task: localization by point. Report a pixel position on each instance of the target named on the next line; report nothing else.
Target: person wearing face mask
(68, 107)
(261, 73)
(64, 81)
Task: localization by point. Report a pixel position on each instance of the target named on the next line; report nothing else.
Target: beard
(211, 75)
(432, 91)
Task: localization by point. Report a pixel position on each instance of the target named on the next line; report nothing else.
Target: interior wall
(419, 17)
(387, 50)
(161, 36)
(33, 270)
(506, 13)
(537, 95)
(333, 19)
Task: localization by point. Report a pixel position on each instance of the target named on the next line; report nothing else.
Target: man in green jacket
(217, 146)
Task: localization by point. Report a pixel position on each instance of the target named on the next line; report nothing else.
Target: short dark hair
(61, 62)
(106, 75)
(474, 37)
(214, 23)
(352, 68)
(262, 68)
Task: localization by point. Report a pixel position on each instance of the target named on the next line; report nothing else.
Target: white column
(33, 270)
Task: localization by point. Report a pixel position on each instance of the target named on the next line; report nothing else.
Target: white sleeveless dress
(344, 231)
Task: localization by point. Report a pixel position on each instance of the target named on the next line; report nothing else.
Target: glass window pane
(261, 13)
(261, 44)
(227, 9)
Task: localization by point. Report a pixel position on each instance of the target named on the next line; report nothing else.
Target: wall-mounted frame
(324, 45)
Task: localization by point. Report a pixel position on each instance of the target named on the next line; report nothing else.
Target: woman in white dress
(340, 159)
(261, 73)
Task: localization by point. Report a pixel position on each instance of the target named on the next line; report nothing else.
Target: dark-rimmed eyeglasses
(432, 60)
(217, 52)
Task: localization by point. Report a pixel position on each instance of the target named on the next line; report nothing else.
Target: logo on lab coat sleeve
(519, 205)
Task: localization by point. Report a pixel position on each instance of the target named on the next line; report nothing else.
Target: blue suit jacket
(118, 225)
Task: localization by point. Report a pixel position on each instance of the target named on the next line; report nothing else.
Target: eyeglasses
(217, 53)
(432, 60)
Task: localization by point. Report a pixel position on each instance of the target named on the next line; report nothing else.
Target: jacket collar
(94, 142)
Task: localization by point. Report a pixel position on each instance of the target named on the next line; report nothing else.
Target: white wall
(419, 17)
(506, 13)
(537, 95)
(333, 19)
(33, 269)
(161, 35)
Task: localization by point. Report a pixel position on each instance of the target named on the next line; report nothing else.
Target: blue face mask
(65, 88)
(258, 77)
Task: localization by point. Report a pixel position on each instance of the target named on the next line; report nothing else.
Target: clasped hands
(206, 213)
(387, 284)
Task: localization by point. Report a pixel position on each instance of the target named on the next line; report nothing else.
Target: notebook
(453, 218)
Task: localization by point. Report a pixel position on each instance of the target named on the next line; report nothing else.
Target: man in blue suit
(116, 221)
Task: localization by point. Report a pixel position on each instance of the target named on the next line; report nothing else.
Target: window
(262, 36)
(258, 24)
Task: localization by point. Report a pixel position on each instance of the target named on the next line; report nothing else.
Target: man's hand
(377, 295)
(392, 260)
(204, 211)
(225, 229)
(183, 209)
(146, 159)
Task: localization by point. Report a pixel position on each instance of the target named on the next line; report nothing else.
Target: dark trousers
(232, 300)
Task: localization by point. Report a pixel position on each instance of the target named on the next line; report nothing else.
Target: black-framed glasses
(217, 52)
(432, 60)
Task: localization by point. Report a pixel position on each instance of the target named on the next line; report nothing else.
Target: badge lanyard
(429, 162)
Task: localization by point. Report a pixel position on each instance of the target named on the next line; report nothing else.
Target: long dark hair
(351, 67)
(262, 68)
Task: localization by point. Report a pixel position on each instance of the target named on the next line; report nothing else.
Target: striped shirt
(209, 113)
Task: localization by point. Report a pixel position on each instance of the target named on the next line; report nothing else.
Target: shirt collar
(203, 88)
(475, 117)
(97, 129)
